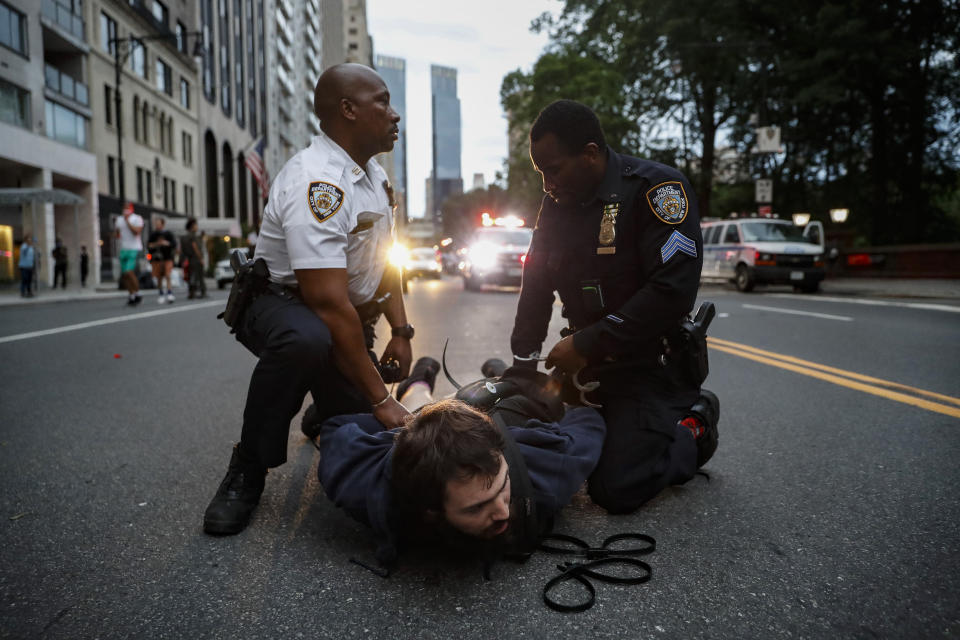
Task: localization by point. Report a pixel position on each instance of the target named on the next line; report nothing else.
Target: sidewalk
(10, 296)
(940, 289)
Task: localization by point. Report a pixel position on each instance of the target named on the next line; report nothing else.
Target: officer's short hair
(575, 125)
(446, 440)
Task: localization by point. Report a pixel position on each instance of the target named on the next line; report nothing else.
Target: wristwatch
(406, 331)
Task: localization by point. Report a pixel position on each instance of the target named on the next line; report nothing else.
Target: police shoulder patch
(324, 199)
(668, 201)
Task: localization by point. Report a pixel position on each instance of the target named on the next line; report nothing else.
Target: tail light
(523, 258)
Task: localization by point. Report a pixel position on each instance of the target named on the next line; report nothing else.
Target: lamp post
(121, 52)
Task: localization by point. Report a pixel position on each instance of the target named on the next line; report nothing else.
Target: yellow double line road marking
(849, 379)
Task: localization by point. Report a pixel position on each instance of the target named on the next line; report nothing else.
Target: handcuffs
(584, 389)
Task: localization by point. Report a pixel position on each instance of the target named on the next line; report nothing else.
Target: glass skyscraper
(446, 179)
(394, 73)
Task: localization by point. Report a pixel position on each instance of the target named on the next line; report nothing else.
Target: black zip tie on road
(597, 557)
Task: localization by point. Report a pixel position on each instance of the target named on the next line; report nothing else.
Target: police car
(495, 256)
(752, 251)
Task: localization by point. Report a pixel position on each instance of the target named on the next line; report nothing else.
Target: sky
(482, 40)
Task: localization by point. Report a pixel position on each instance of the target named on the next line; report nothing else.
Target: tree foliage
(863, 91)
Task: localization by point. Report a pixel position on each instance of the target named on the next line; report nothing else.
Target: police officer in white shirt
(324, 235)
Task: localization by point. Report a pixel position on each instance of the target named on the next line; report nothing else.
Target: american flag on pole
(253, 159)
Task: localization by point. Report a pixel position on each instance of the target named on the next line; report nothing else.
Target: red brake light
(523, 259)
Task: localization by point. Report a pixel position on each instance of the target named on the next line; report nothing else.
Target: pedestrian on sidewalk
(161, 244)
(26, 263)
(129, 228)
(190, 248)
(84, 265)
(59, 254)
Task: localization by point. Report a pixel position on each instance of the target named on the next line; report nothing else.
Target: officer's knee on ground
(616, 500)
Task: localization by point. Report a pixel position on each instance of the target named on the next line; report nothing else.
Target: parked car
(495, 256)
(752, 251)
(223, 273)
(423, 262)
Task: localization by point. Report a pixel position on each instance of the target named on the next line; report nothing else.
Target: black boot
(238, 495)
(425, 370)
(707, 412)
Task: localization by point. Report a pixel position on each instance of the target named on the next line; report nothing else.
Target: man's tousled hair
(446, 440)
(575, 125)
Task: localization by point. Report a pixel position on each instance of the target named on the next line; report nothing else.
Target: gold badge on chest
(608, 229)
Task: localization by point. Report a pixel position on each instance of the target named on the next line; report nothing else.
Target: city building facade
(394, 73)
(445, 178)
(48, 175)
(144, 131)
(232, 101)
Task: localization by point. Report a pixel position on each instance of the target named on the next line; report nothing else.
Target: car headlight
(483, 255)
(398, 255)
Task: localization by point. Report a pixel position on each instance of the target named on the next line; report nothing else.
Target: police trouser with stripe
(295, 349)
(645, 448)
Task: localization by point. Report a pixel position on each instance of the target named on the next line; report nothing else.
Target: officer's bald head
(338, 82)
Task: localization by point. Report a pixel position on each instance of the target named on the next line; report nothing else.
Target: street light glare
(801, 219)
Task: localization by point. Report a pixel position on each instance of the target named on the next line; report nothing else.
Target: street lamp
(839, 215)
(122, 48)
(801, 219)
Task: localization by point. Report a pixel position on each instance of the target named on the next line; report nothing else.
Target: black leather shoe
(310, 423)
(238, 495)
(425, 370)
(707, 410)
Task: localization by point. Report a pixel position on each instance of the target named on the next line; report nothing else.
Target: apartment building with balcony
(48, 174)
(144, 132)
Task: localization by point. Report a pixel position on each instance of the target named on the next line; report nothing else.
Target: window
(140, 174)
(112, 175)
(144, 123)
(14, 105)
(138, 58)
(107, 104)
(206, 19)
(164, 77)
(184, 93)
(186, 141)
(238, 60)
(13, 29)
(731, 234)
(108, 32)
(160, 13)
(66, 125)
(136, 118)
(188, 199)
(225, 74)
(181, 33)
(148, 187)
(169, 187)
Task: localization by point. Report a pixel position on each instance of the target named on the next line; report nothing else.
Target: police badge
(669, 202)
(324, 199)
(608, 228)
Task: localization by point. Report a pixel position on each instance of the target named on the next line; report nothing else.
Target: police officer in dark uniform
(324, 239)
(619, 239)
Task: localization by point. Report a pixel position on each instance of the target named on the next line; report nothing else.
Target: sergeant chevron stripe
(678, 242)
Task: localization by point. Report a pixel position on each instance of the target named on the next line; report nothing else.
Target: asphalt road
(831, 509)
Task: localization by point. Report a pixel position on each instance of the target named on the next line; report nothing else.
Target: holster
(693, 338)
(251, 278)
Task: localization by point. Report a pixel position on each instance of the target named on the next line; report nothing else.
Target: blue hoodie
(356, 457)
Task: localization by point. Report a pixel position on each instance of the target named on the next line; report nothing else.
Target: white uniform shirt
(325, 211)
(129, 239)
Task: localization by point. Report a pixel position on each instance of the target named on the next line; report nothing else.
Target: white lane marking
(869, 301)
(98, 323)
(799, 313)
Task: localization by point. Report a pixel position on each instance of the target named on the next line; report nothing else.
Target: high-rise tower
(445, 180)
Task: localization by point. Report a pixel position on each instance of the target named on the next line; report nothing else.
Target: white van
(752, 251)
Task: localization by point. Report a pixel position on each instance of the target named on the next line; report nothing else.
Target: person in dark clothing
(455, 474)
(162, 243)
(84, 265)
(190, 249)
(618, 238)
(59, 255)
